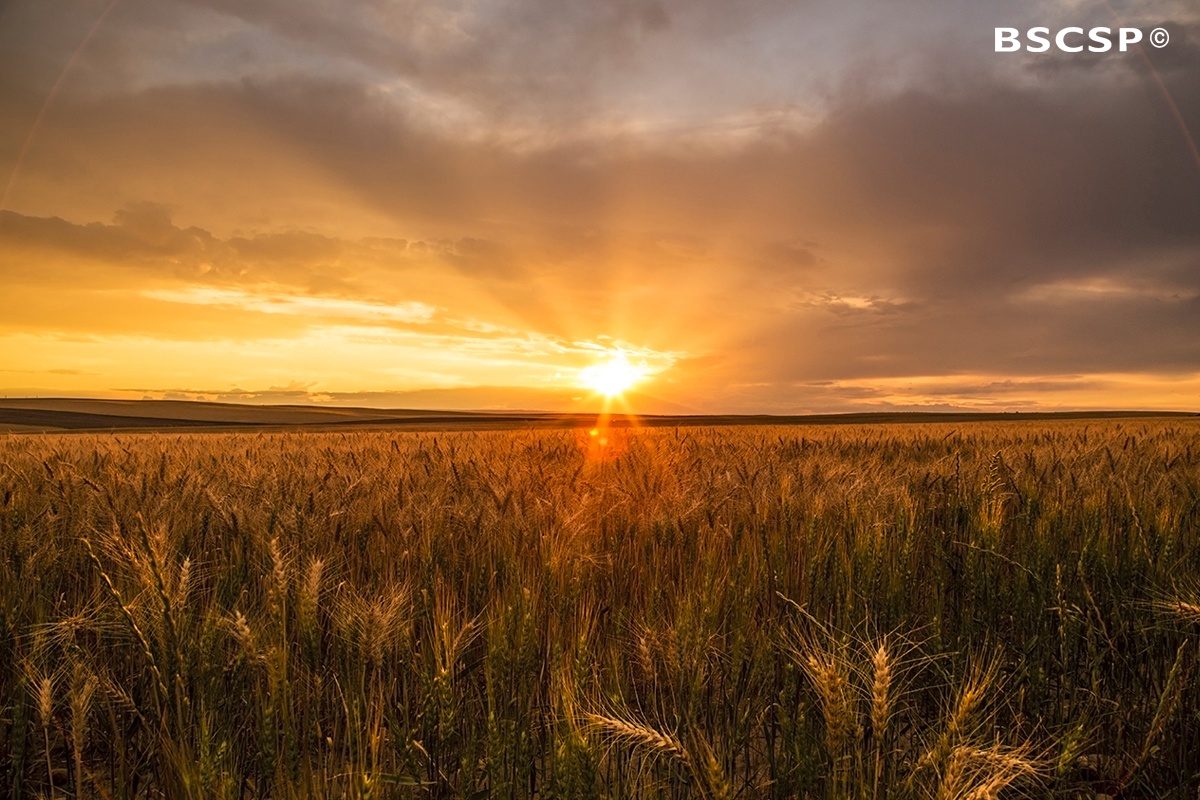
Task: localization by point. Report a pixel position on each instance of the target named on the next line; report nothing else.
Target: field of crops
(976, 610)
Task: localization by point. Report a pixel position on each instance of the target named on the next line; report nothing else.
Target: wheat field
(976, 610)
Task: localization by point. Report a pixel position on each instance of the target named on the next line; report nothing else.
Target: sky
(761, 206)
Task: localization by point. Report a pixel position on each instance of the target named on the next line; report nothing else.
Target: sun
(613, 376)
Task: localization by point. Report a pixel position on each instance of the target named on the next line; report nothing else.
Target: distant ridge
(70, 414)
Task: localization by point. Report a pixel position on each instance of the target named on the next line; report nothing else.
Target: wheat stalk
(638, 734)
(882, 700)
(83, 689)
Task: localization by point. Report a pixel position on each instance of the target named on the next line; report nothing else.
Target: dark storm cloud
(1054, 228)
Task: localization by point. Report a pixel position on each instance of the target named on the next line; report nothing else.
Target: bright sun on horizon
(613, 376)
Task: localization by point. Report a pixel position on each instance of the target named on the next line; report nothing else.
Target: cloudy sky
(766, 206)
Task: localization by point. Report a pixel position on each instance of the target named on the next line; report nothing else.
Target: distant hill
(71, 414)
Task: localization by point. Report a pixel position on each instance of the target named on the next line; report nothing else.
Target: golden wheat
(695, 611)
